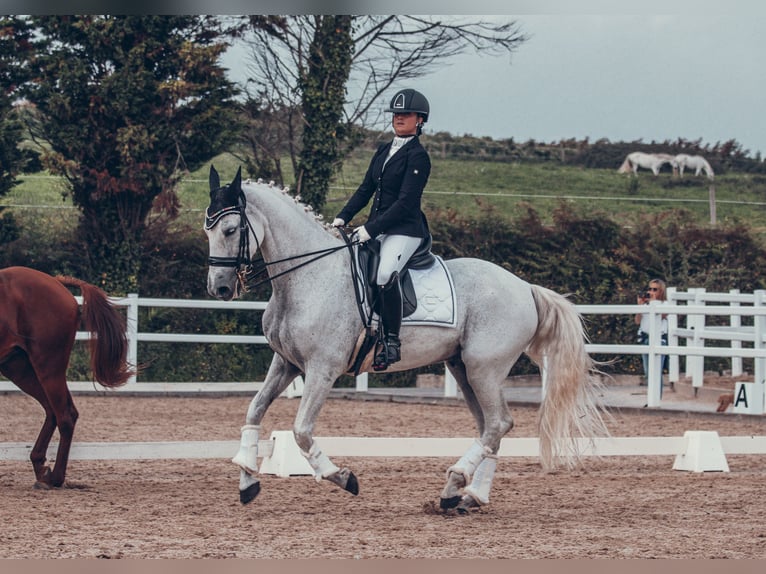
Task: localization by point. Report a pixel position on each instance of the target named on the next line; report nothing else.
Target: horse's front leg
(280, 375)
(315, 392)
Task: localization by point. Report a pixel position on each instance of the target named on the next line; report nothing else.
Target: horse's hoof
(249, 493)
(467, 504)
(447, 503)
(39, 485)
(352, 484)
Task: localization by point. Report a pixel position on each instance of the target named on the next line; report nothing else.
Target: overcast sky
(663, 70)
(616, 69)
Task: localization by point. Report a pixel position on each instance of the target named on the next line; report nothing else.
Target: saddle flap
(368, 257)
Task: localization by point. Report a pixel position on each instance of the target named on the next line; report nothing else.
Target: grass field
(468, 187)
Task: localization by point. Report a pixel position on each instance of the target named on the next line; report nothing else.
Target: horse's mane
(295, 201)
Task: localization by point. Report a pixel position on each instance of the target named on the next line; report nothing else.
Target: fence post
(759, 321)
(450, 384)
(735, 321)
(674, 361)
(132, 332)
(695, 365)
(654, 376)
(361, 382)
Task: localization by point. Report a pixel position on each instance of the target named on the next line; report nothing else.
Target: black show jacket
(397, 192)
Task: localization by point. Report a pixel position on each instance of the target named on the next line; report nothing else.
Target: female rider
(396, 177)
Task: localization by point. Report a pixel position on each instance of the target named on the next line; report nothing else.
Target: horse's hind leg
(280, 375)
(20, 371)
(470, 479)
(456, 481)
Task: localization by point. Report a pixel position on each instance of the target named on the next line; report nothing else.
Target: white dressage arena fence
(686, 313)
(697, 451)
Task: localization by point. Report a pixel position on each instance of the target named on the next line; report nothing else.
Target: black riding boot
(391, 317)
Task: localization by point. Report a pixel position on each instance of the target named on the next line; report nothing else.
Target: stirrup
(388, 354)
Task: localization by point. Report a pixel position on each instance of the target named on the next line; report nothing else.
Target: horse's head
(228, 230)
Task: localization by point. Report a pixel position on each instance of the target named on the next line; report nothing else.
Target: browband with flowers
(212, 219)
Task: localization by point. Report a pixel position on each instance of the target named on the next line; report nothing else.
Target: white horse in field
(653, 161)
(696, 162)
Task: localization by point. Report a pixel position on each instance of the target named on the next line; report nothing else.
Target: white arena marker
(704, 453)
(748, 398)
(286, 458)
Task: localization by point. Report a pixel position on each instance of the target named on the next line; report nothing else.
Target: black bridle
(242, 263)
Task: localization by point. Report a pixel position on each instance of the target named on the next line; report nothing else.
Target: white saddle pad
(436, 296)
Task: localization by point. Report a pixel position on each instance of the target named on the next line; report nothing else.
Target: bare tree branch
(387, 49)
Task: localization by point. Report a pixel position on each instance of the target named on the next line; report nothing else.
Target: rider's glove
(361, 234)
(338, 222)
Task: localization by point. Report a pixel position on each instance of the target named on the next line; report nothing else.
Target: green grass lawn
(469, 187)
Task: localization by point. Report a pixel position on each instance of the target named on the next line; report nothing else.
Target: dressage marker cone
(704, 453)
(286, 458)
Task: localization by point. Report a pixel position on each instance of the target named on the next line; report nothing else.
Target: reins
(246, 272)
(250, 274)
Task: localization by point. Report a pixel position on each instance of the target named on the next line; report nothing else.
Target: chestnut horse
(39, 318)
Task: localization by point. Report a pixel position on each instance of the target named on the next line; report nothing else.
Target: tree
(14, 39)
(323, 87)
(123, 105)
(383, 50)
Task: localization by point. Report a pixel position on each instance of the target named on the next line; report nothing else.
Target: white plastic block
(286, 458)
(704, 453)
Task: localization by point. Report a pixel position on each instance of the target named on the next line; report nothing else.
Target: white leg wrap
(470, 460)
(322, 465)
(247, 456)
(482, 480)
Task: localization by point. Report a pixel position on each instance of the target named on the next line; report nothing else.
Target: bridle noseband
(242, 262)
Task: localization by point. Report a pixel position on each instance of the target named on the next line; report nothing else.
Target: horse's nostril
(224, 292)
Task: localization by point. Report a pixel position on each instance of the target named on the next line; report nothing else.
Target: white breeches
(395, 251)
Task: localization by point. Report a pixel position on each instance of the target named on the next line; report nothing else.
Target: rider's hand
(361, 234)
(338, 222)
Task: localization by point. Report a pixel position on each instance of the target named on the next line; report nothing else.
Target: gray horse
(313, 326)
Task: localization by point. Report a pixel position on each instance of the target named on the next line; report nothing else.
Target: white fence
(697, 451)
(686, 312)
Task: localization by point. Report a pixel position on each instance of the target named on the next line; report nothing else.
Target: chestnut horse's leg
(19, 370)
(65, 414)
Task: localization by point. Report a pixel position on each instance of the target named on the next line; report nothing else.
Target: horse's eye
(229, 231)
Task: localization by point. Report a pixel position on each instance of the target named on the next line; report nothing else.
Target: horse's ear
(215, 182)
(236, 183)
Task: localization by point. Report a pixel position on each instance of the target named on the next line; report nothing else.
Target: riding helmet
(409, 100)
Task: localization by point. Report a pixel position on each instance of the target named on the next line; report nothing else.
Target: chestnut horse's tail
(108, 342)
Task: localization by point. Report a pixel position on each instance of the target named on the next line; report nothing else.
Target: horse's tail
(569, 408)
(108, 342)
(625, 167)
